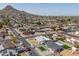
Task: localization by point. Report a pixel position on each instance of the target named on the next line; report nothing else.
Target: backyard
(42, 48)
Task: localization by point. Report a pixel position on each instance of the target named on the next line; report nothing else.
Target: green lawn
(42, 48)
(65, 46)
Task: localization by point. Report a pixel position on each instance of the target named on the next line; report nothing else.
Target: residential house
(41, 39)
(55, 47)
(8, 44)
(9, 52)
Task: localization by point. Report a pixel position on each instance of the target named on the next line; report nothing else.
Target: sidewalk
(32, 45)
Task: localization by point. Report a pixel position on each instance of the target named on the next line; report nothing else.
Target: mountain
(12, 12)
(8, 7)
(24, 17)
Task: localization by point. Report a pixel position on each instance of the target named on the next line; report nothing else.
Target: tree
(1, 25)
(62, 38)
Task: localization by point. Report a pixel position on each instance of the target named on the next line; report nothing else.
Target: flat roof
(41, 38)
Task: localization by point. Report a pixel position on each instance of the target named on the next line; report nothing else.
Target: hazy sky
(47, 9)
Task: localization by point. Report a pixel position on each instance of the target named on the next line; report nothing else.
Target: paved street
(33, 51)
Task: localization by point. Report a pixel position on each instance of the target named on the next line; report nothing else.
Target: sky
(47, 9)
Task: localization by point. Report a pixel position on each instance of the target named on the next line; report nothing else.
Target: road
(33, 52)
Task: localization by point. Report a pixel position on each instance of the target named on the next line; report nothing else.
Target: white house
(42, 38)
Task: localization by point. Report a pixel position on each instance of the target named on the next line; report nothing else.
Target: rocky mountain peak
(9, 7)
